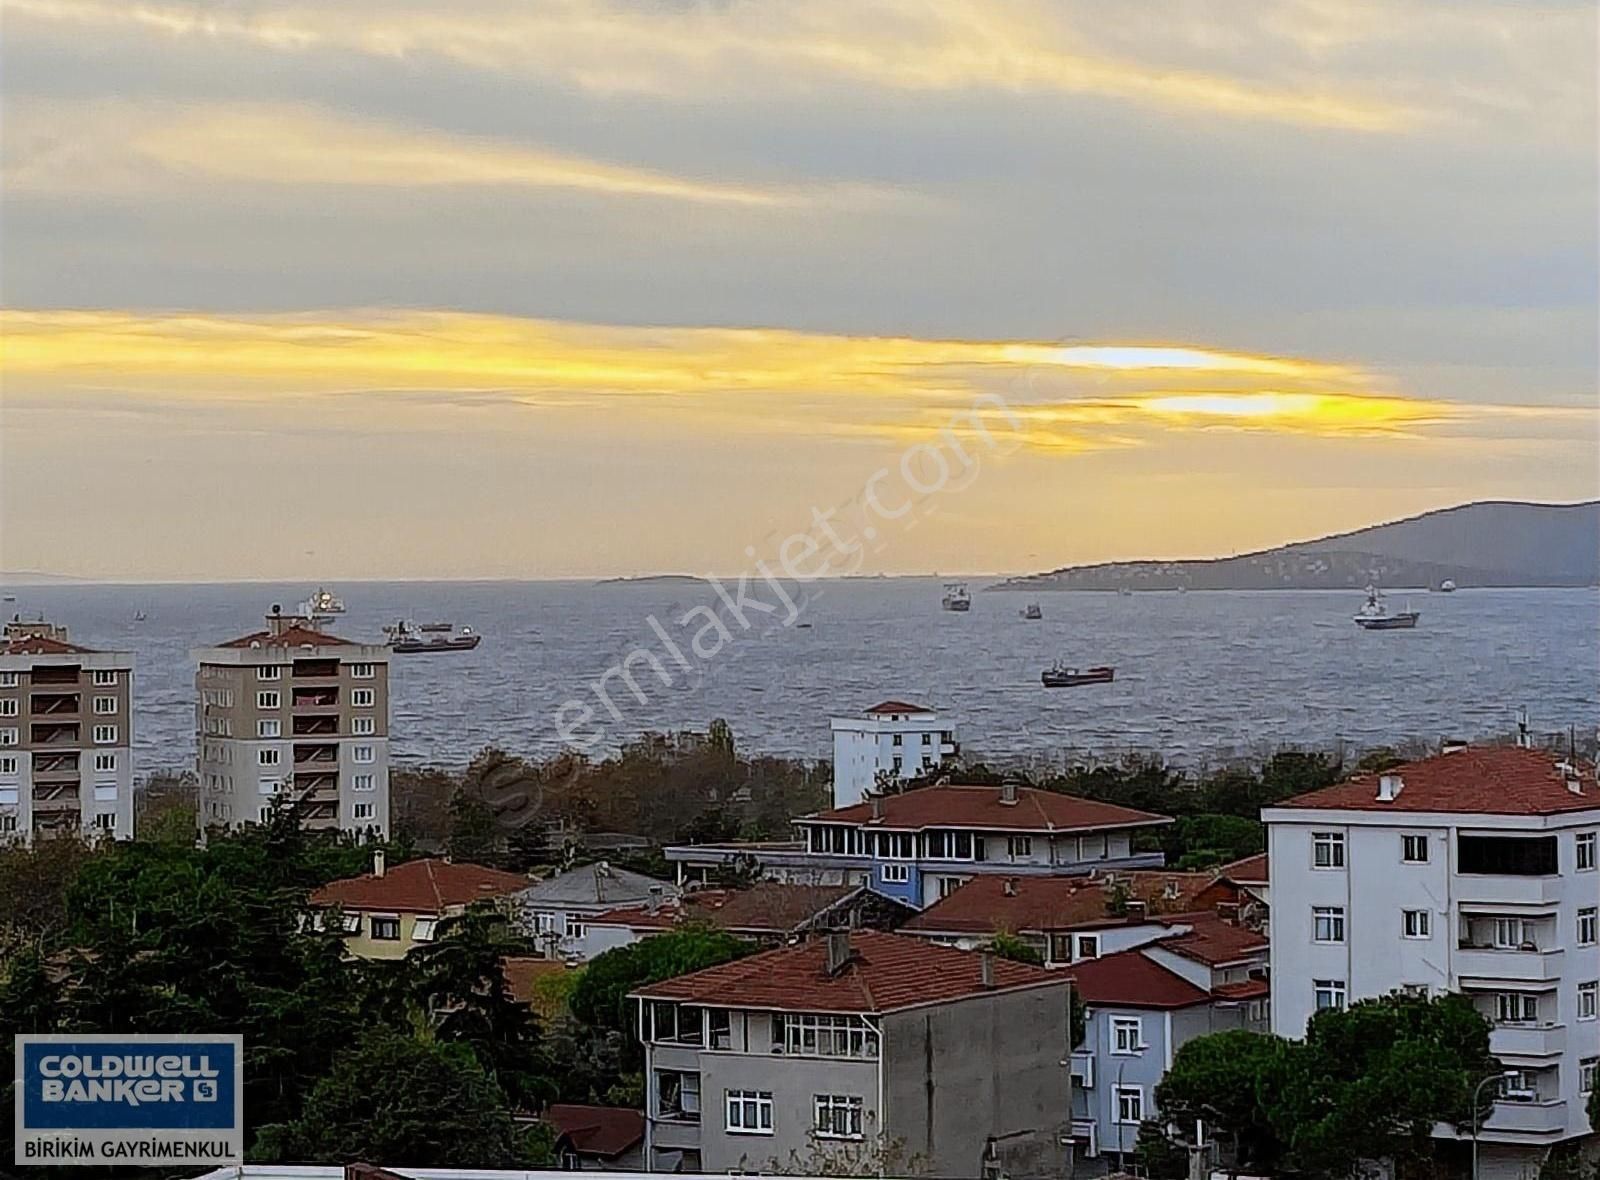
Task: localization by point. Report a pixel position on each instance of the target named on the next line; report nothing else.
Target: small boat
(956, 597)
(1032, 611)
(432, 627)
(138, 616)
(1063, 676)
(1447, 586)
(1375, 616)
(322, 604)
(407, 639)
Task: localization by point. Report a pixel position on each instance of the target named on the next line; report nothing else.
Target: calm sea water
(1201, 677)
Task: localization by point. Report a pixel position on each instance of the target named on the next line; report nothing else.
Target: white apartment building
(296, 712)
(66, 737)
(1473, 871)
(893, 738)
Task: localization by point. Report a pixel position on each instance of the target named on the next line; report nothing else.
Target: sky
(570, 288)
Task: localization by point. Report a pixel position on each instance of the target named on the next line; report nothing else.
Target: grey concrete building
(860, 1053)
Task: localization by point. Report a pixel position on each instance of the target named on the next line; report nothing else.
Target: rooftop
(1131, 979)
(290, 636)
(897, 707)
(419, 887)
(767, 907)
(40, 645)
(598, 884)
(605, 1131)
(985, 808)
(1210, 940)
(886, 973)
(1483, 780)
(992, 902)
(1252, 870)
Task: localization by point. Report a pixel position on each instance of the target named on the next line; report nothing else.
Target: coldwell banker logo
(152, 1100)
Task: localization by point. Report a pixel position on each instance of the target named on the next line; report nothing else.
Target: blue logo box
(103, 1083)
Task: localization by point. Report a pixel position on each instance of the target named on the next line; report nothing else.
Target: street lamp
(1476, 1093)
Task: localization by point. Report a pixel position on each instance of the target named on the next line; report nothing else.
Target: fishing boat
(407, 639)
(436, 627)
(1060, 675)
(1447, 586)
(956, 597)
(1375, 616)
(1032, 611)
(324, 604)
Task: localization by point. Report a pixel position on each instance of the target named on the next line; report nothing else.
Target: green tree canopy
(601, 997)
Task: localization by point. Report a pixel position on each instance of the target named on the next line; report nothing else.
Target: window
(103, 678)
(105, 735)
(1130, 1104)
(1586, 1072)
(1414, 923)
(948, 885)
(105, 792)
(362, 698)
(270, 672)
(1516, 1008)
(105, 763)
(1088, 946)
(10, 679)
(544, 922)
(8, 736)
(896, 740)
(896, 874)
(826, 1036)
(385, 929)
(1328, 993)
(944, 845)
(8, 765)
(1019, 847)
(678, 1095)
(719, 1022)
(8, 823)
(1511, 933)
(1586, 925)
(1327, 850)
(9, 707)
(927, 762)
(838, 1116)
(361, 754)
(898, 763)
(362, 811)
(363, 726)
(361, 782)
(1127, 1034)
(574, 926)
(1588, 1000)
(1414, 850)
(927, 739)
(676, 1024)
(352, 923)
(269, 728)
(1508, 856)
(106, 821)
(1586, 851)
(267, 757)
(422, 929)
(1519, 1085)
(267, 700)
(750, 1112)
(361, 671)
(105, 706)
(1327, 923)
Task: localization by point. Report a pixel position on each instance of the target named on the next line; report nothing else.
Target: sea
(1202, 678)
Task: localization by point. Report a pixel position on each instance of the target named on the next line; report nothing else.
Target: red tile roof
(605, 1131)
(419, 887)
(1131, 979)
(981, 807)
(1214, 942)
(898, 707)
(888, 972)
(295, 636)
(41, 645)
(1247, 989)
(1252, 870)
(768, 907)
(1490, 780)
(1038, 904)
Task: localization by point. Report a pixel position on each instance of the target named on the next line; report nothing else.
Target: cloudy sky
(532, 288)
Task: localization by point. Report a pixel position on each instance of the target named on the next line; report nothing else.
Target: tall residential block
(295, 713)
(66, 736)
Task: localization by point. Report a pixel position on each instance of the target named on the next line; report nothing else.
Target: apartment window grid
(362, 811)
(361, 672)
(103, 678)
(268, 757)
(422, 929)
(105, 763)
(8, 735)
(1127, 1034)
(8, 823)
(1415, 923)
(363, 726)
(9, 680)
(1588, 921)
(1327, 923)
(361, 754)
(385, 928)
(105, 706)
(1516, 1008)
(267, 700)
(1586, 851)
(1586, 1072)
(1327, 850)
(8, 765)
(1130, 1104)
(896, 874)
(828, 1036)
(948, 885)
(362, 698)
(1019, 847)
(9, 707)
(574, 926)
(838, 1116)
(105, 735)
(362, 782)
(269, 727)
(1589, 1000)
(1087, 946)
(106, 821)
(749, 1112)
(1414, 850)
(1328, 993)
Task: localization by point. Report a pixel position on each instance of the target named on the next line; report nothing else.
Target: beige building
(295, 712)
(66, 736)
(388, 911)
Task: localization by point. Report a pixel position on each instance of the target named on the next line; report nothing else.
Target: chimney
(986, 969)
(1524, 738)
(1008, 792)
(836, 944)
(1569, 775)
(653, 905)
(1008, 887)
(1389, 787)
(877, 807)
(379, 862)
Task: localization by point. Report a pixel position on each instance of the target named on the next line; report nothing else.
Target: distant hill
(1491, 543)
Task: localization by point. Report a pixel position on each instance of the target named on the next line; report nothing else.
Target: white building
(894, 738)
(1473, 871)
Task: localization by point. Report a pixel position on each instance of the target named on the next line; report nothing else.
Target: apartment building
(859, 1053)
(896, 739)
(921, 845)
(556, 912)
(292, 712)
(389, 911)
(66, 737)
(1473, 871)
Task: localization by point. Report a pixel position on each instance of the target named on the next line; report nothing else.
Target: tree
(1230, 1080)
(474, 837)
(394, 1097)
(1009, 946)
(601, 997)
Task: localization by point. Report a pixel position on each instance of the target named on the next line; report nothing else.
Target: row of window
(1479, 854)
(1328, 926)
(275, 671)
(749, 1112)
(103, 706)
(103, 735)
(105, 762)
(1509, 1007)
(272, 756)
(100, 677)
(271, 727)
(360, 698)
(544, 922)
(937, 844)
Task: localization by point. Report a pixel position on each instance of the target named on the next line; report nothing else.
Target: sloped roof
(41, 645)
(595, 884)
(1211, 941)
(1487, 780)
(767, 907)
(604, 1131)
(1131, 979)
(898, 707)
(1036, 904)
(419, 887)
(295, 636)
(982, 807)
(1252, 870)
(888, 972)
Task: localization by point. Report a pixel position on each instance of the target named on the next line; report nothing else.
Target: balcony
(1506, 889)
(316, 669)
(315, 756)
(54, 704)
(57, 797)
(1528, 1040)
(1496, 964)
(1083, 1070)
(55, 735)
(61, 764)
(316, 726)
(1536, 1117)
(49, 674)
(316, 698)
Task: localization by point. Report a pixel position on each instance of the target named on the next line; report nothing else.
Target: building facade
(859, 1054)
(296, 714)
(894, 739)
(66, 737)
(1473, 871)
(556, 912)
